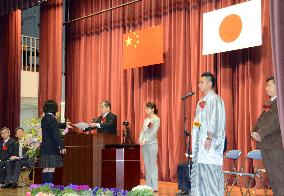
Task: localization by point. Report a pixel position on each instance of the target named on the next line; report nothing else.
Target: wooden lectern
(83, 160)
(121, 167)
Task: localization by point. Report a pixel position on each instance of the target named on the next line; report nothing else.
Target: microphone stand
(186, 133)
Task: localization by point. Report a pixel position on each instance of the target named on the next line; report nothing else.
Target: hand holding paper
(82, 125)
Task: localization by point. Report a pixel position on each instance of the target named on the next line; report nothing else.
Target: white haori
(209, 117)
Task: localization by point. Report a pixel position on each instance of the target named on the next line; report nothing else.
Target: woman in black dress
(52, 145)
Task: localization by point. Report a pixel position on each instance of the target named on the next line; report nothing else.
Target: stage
(165, 188)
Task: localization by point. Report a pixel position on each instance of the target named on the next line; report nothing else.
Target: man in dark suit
(107, 122)
(17, 161)
(8, 150)
(268, 138)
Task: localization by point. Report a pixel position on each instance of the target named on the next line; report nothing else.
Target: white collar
(211, 92)
(5, 141)
(105, 114)
(273, 98)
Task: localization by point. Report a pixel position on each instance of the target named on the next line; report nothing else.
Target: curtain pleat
(50, 57)
(10, 66)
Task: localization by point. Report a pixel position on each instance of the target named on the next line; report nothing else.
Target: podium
(83, 160)
(121, 166)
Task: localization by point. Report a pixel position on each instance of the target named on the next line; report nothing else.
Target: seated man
(17, 161)
(183, 178)
(8, 150)
(107, 122)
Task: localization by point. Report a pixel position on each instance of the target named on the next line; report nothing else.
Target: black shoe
(7, 185)
(14, 185)
(184, 192)
(179, 193)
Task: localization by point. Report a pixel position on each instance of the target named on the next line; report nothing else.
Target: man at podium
(107, 122)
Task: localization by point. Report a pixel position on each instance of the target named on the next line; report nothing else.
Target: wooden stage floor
(165, 189)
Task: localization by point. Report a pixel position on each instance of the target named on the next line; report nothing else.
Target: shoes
(183, 192)
(2, 183)
(14, 185)
(7, 185)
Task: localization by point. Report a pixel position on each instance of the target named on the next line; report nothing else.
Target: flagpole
(100, 12)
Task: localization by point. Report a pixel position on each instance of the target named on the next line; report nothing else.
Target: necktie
(20, 149)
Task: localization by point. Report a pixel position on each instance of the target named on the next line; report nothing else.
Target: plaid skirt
(51, 161)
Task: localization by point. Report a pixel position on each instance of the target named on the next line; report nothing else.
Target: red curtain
(10, 66)
(7, 6)
(277, 20)
(50, 71)
(94, 71)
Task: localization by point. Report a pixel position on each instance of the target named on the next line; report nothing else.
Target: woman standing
(52, 145)
(148, 141)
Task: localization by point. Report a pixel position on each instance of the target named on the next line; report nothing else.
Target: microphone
(187, 95)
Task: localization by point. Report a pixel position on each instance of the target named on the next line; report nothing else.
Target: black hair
(50, 106)
(5, 128)
(107, 103)
(18, 128)
(209, 77)
(270, 78)
(152, 105)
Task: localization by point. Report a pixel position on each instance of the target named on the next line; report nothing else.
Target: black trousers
(10, 170)
(183, 176)
(2, 172)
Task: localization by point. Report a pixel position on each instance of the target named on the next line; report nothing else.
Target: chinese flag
(143, 47)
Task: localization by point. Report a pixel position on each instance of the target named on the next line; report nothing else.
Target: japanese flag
(232, 28)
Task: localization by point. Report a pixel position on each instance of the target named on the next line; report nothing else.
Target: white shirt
(272, 99)
(5, 141)
(20, 148)
(105, 114)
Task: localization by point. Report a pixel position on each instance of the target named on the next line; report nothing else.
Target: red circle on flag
(230, 28)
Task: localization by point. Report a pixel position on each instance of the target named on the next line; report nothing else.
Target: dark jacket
(109, 125)
(25, 158)
(268, 128)
(24, 150)
(51, 138)
(10, 145)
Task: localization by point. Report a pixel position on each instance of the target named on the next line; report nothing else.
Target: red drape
(10, 66)
(94, 71)
(10, 5)
(50, 71)
(277, 21)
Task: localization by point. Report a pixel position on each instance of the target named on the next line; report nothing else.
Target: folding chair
(232, 155)
(255, 155)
